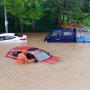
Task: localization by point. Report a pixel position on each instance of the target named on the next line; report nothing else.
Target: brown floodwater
(71, 73)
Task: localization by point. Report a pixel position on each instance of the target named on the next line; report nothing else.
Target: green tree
(86, 7)
(72, 8)
(53, 10)
(57, 10)
(26, 11)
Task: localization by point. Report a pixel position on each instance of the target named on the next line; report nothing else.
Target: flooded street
(71, 73)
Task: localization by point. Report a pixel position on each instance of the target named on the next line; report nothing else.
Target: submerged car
(36, 54)
(12, 37)
(61, 35)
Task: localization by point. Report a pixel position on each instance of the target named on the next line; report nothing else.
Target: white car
(12, 37)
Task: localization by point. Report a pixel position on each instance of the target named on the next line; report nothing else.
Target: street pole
(5, 16)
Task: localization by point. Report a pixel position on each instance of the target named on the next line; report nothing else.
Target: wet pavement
(71, 73)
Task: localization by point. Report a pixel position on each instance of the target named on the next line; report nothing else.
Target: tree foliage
(58, 11)
(25, 10)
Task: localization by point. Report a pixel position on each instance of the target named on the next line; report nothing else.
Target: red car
(37, 54)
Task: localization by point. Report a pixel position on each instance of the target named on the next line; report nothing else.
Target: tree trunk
(15, 24)
(58, 22)
(33, 25)
(22, 28)
(15, 18)
(68, 19)
(63, 19)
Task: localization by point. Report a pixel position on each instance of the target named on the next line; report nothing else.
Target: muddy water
(71, 73)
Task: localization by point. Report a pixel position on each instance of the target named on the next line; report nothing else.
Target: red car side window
(15, 53)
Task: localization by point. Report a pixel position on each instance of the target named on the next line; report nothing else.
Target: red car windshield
(42, 55)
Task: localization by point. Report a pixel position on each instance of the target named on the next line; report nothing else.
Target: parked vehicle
(61, 35)
(36, 54)
(12, 37)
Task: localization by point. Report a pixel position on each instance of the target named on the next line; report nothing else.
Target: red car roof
(21, 48)
(28, 48)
